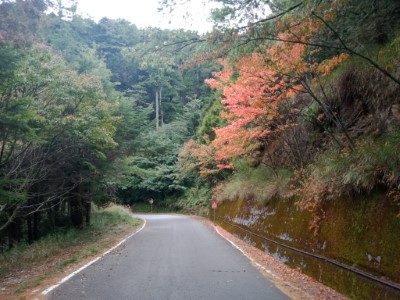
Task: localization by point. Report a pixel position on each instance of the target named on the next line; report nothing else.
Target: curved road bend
(172, 258)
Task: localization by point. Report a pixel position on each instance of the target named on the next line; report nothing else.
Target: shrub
(261, 184)
(195, 200)
(374, 165)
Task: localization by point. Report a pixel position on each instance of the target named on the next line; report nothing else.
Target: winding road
(174, 257)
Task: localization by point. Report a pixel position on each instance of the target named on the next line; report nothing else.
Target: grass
(374, 165)
(55, 252)
(385, 56)
(261, 184)
(195, 200)
(145, 208)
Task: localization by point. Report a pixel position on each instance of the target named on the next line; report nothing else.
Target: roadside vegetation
(284, 99)
(26, 266)
(91, 113)
(310, 105)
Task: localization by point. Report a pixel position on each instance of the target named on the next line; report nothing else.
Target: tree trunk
(76, 208)
(51, 215)
(64, 211)
(88, 201)
(157, 111)
(198, 77)
(36, 222)
(30, 231)
(14, 232)
(161, 110)
(88, 208)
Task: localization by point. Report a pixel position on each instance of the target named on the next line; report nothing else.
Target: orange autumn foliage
(199, 158)
(255, 86)
(251, 101)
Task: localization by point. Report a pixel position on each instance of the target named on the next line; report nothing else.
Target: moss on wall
(362, 233)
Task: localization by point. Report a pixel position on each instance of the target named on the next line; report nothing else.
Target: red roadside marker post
(214, 205)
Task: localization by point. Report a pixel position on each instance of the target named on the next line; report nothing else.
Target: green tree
(19, 20)
(57, 127)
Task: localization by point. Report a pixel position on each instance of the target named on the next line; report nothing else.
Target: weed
(375, 165)
(261, 184)
(195, 200)
(72, 244)
(142, 207)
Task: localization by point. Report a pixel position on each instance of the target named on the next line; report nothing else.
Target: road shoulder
(42, 277)
(290, 281)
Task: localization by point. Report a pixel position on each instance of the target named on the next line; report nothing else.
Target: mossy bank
(361, 234)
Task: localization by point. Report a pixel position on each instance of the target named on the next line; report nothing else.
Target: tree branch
(273, 17)
(345, 47)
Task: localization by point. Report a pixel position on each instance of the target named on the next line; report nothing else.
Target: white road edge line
(46, 291)
(255, 263)
(246, 255)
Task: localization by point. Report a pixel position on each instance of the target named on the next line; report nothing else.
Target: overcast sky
(143, 13)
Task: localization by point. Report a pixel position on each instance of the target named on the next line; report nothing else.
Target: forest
(284, 99)
(90, 113)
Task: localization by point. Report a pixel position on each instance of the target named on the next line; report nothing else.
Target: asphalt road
(173, 257)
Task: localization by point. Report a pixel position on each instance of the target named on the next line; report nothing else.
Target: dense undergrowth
(261, 184)
(72, 245)
(375, 165)
(302, 105)
(364, 156)
(194, 200)
(341, 142)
